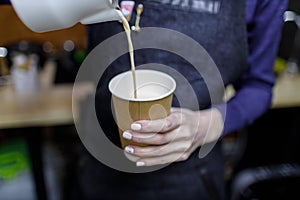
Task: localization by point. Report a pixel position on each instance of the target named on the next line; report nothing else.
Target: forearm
(254, 89)
(245, 107)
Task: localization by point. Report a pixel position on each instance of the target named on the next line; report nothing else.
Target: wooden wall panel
(12, 30)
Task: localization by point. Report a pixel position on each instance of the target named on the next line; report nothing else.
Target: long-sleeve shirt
(254, 89)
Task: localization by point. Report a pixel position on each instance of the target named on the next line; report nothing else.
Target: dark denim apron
(220, 27)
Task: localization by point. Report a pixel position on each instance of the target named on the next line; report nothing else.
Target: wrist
(210, 126)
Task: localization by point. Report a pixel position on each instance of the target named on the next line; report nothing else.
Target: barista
(242, 38)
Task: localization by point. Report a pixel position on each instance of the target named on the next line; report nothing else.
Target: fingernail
(129, 149)
(140, 164)
(127, 135)
(136, 127)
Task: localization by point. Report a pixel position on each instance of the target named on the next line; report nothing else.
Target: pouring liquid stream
(130, 47)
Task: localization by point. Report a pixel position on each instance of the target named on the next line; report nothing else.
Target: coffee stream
(130, 47)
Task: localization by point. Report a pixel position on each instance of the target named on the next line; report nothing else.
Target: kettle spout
(103, 16)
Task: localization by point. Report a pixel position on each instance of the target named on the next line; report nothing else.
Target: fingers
(156, 138)
(148, 138)
(158, 151)
(153, 138)
(167, 140)
(157, 156)
(161, 125)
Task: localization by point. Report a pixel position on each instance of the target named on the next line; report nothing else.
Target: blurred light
(69, 45)
(3, 52)
(48, 47)
(23, 45)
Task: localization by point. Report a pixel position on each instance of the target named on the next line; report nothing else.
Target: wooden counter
(48, 107)
(53, 106)
(287, 92)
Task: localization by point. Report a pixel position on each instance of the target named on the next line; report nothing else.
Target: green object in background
(280, 65)
(14, 159)
(79, 56)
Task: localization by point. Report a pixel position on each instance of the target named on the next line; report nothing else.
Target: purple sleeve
(254, 89)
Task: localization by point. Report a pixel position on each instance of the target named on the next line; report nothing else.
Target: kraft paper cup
(154, 98)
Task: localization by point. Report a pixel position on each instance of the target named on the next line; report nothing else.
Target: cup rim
(171, 90)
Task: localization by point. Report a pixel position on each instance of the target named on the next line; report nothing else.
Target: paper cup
(154, 98)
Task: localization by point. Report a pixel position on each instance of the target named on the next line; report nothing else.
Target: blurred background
(39, 146)
(38, 140)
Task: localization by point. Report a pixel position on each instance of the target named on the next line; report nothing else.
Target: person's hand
(175, 137)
